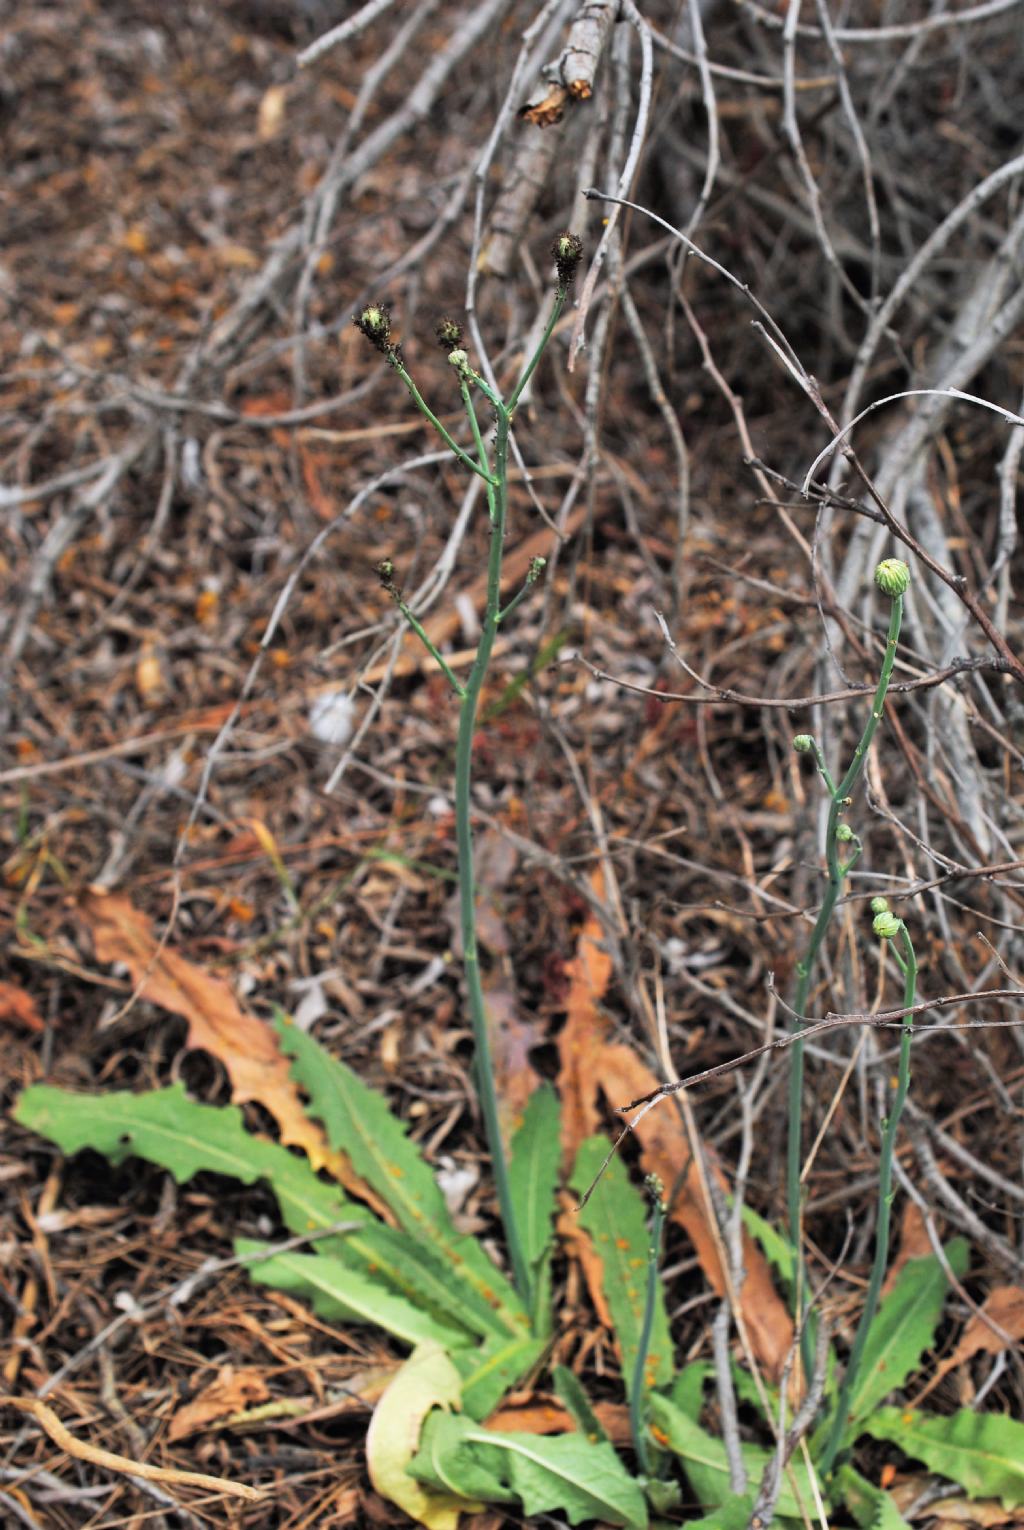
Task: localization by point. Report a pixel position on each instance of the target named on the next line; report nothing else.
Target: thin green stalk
(483, 1054)
(428, 414)
(881, 1260)
(638, 1391)
(431, 647)
(837, 870)
(558, 305)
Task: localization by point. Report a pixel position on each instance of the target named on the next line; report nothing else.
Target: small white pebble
(331, 717)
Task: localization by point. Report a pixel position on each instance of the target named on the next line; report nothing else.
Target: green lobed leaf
(983, 1452)
(706, 1463)
(167, 1128)
(871, 1506)
(687, 1391)
(904, 1327)
(616, 1219)
(337, 1292)
(358, 1121)
(533, 1179)
(565, 1473)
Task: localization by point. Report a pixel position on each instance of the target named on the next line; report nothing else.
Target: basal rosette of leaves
(438, 1293)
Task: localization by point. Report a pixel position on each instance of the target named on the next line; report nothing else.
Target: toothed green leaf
(706, 1462)
(493, 1369)
(167, 1128)
(339, 1293)
(983, 1452)
(870, 1506)
(616, 1219)
(904, 1327)
(358, 1121)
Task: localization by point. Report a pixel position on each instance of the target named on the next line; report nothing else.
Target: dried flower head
(449, 334)
(568, 251)
(374, 321)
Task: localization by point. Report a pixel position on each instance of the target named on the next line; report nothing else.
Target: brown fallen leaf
(229, 1393)
(246, 1045)
(998, 1325)
(914, 1243)
(592, 1065)
(973, 1511)
(19, 1008)
(552, 1418)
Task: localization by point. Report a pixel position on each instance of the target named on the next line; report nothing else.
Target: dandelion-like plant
(489, 461)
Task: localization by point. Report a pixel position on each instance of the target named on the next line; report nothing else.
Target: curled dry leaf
(247, 1047)
(231, 1392)
(19, 1008)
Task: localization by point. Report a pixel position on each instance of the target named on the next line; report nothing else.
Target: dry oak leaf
(231, 1392)
(246, 1045)
(998, 1325)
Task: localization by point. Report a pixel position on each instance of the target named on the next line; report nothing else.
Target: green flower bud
(879, 905)
(375, 323)
(535, 569)
(459, 360)
(844, 834)
(567, 251)
(886, 926)
(892, 577)
(803, 743)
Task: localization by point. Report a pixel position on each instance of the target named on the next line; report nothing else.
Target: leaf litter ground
(150, 169)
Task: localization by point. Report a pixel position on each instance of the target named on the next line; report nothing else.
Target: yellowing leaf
(427, 1380)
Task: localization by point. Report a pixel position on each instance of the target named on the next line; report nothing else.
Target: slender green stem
(558, 305)
(516, 600)
(908, 963)
(639, 1390)
(483, 1055)
(430, 646)
(836, 875)
(428, 414)
(823, 770)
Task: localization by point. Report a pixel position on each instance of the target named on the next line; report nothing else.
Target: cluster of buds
(885, 923)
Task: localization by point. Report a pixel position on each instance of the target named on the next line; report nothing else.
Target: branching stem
(837, 871)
